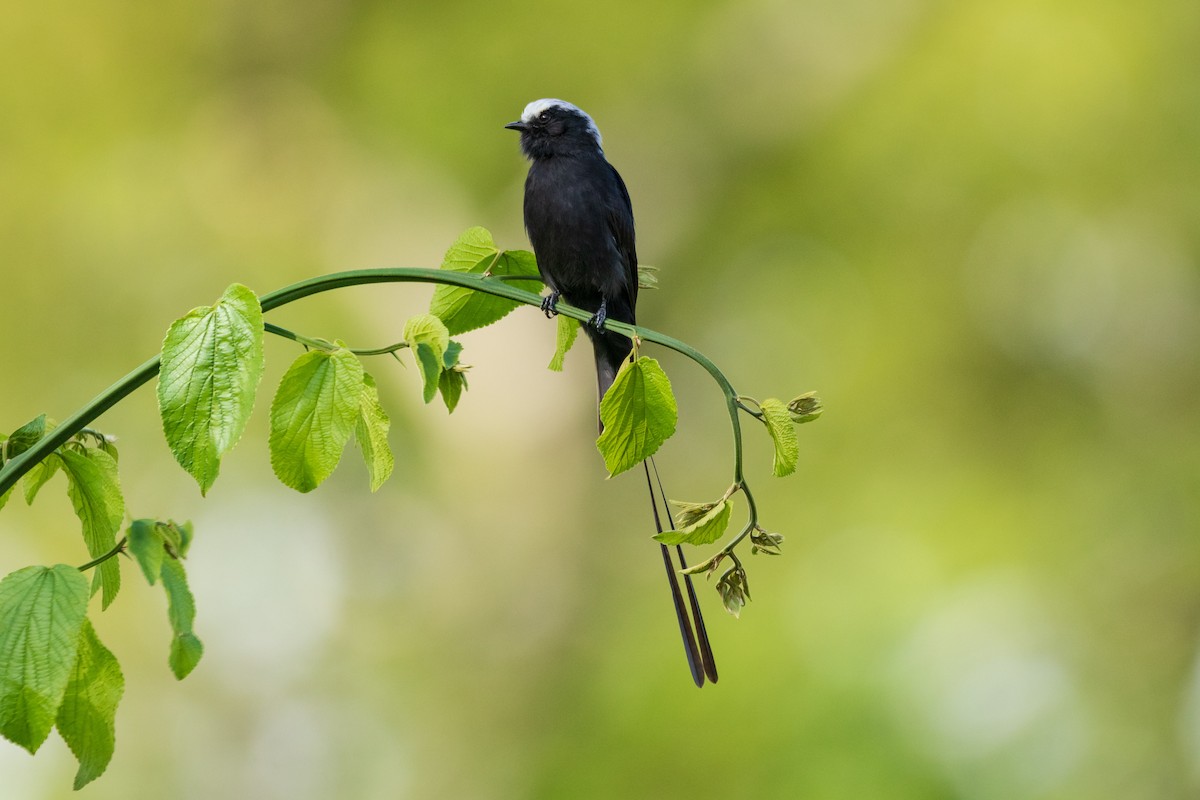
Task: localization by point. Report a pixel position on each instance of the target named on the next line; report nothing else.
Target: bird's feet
(550, 303)
(597, 320)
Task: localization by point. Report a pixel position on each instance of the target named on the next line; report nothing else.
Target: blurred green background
(974, 227)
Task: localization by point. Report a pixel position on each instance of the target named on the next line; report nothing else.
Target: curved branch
(12, 471)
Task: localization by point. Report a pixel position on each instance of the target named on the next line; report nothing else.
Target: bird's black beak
(517, 126)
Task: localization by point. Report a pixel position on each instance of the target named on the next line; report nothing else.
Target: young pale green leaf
(427, 329)
(783, 433)
(687, 514)
(371, 432)
(212, 361)
(638, 414)
(567, 330)
(37, 477)
(95, 493)
(89, 707)
(109, 446)
(429, 340)
(186, 649)
(463, 309)
(313, 415)
(709, 566)
(706, 529)
(472, 246)
(146, 546)
(41, 612)
(4, 498)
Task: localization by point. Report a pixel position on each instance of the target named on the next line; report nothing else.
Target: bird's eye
(542, 117)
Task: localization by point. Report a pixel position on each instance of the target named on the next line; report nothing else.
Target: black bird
(580, 221)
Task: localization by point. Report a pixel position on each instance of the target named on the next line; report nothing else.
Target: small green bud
(647, 279)
(805, 408)
(735, 590)
(766, 543)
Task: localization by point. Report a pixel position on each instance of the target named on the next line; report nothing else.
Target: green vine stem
(118, 548)
(325, 344)
(12, 471)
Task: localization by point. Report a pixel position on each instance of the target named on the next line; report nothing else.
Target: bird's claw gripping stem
(550, 303)
(597, 320)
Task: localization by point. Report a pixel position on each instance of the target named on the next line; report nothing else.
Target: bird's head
(555, 128)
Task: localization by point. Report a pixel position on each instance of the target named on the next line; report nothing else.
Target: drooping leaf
(704, 529)
(783, 433)
(146, 546)
(451, 384)
(431, 370)
(186, 649)
(41, 611)
(313, 415)
(567, 330)
(638, 413)
(463, 309)
(95, 493)
(37, 477)
(212, 361)
(86, 717)
(429, 340)
(371, 433)
(453, 380)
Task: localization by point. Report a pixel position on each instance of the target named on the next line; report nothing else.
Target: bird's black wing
(620, 223)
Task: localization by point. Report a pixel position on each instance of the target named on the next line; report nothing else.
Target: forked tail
(695, 640)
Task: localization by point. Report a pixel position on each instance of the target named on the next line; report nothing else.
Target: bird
(579, 219)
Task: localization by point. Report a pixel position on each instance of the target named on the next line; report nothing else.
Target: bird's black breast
(580, 221)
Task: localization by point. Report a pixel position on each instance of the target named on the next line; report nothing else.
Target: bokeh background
(973, 227)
